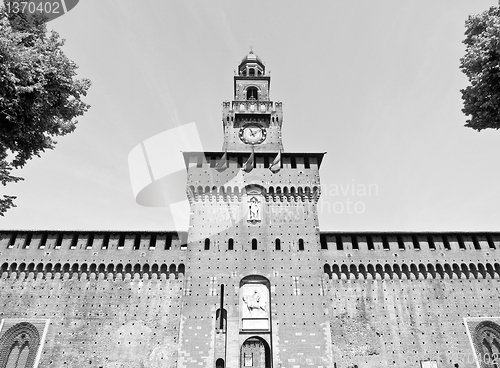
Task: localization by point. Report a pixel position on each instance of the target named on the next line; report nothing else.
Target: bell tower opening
(252, 93)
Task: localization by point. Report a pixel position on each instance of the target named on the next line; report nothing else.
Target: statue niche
(254, 205)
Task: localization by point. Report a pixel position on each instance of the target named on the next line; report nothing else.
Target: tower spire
(252, 122)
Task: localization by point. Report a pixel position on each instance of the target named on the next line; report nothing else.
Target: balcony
(253, 106)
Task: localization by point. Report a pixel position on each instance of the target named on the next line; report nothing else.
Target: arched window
(252, 93)
(486, 340)
(230, 244)
(301, 244)
(278, 244)
(18, 346)
(219, 363)
(207, 244)
(254, 244)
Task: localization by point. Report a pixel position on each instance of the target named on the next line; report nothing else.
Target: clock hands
(252, 134)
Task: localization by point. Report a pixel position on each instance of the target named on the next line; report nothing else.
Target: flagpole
(253, 152)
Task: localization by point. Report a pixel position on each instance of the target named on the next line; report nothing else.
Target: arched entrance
(255, 353)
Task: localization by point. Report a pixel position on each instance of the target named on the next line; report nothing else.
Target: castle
(253, 282)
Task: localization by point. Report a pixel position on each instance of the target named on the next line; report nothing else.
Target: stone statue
(254, 302)
(254, 209)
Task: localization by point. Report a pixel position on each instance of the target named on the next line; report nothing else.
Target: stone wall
(404, 301)
(148, 300)
(113, 307)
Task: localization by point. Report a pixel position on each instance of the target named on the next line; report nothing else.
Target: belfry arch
(252, 93)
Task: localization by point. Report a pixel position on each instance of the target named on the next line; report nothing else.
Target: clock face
(252, 134)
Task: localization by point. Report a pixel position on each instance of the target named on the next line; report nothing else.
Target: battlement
(411, 255)
(161, 254)
(404, 241)
(57, 240)
(60, 254)
(347, 244)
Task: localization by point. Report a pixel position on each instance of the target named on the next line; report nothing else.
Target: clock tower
(254, 292)
(251, 120)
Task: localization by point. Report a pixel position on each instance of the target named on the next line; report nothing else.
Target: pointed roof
(251, 58)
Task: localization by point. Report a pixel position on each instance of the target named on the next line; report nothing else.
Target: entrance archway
(255, 353)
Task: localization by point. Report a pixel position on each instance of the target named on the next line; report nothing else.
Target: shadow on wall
(413, 271)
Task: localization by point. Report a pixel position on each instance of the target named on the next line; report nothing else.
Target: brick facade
(253, 282)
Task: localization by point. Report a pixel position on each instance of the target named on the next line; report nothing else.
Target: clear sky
(374, 83)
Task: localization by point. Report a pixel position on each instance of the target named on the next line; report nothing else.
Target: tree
(39, 95)
(481, 64)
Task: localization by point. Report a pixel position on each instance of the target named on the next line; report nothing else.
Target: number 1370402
(50, 9)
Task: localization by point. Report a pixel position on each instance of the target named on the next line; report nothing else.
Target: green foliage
(39, 96)
(481, 64)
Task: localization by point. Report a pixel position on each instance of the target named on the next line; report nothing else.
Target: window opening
(58, 241)
(74, 241)
(121, 241)
(432, 246)
(477, 246)
(401, 244)
(446, 243)
(252, 93)
(491, 244)
(354, 241)
(152, 242)
(137, 242)
(416, 244)
(90, 241)
(12, 240)
(461, 243)
(105, 242)
(168, 241)
(27, 241)
(385, 243)
(322, 240)
(306, 163)
(369, 241)
(338, 240)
